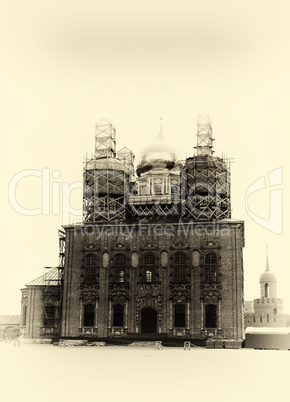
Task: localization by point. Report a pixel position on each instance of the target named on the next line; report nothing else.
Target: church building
(157, 255)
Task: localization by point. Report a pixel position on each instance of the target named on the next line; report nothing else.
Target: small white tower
(268, 282)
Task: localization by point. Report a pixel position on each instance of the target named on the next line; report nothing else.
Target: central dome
(159, 154)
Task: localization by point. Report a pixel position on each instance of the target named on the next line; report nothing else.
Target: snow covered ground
(35, 372)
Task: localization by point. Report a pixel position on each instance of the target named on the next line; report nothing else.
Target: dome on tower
(267, 276)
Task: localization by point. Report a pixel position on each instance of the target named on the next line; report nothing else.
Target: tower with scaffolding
(106, 178)
(207, 178)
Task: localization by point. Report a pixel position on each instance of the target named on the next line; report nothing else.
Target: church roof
(49, 278)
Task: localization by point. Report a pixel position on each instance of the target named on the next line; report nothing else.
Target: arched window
(49, 315)
(210, 268)
(210, 316)
(179, 316)
(180, 267)
(89, 315)
(90, 268)
(157, 189)
(118, 318)
(266, 290)
(120, 268)
(149, 264)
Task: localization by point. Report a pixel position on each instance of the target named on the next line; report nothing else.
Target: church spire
(267, 259)
(160, 136)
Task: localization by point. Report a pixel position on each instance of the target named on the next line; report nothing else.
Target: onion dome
(158, 155)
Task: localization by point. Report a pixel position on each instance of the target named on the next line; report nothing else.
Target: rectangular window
(89, 315)
(210, 316)
(210, 268)
(179, 315)
(118, 318)
(180, 267)
(49, 316)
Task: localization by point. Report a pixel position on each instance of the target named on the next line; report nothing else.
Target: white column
(148, 190)
(201, 312)
(188, 317)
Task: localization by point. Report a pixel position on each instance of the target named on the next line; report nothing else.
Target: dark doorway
(148, 321)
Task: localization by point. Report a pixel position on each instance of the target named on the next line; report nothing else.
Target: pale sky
(66, 64)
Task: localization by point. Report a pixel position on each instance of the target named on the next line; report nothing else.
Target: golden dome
(159, 154)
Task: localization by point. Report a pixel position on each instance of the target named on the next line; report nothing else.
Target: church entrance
(148, 321)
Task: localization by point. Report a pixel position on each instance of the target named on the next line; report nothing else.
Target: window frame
(149, 260)
(120, 268)
(90, 268)
(211, 267)
(211, 317)
(180, 267)
(180, 316)
(89, 316)
(49, 319)
(118, 316)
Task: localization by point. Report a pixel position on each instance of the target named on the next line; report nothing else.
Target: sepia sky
(66, 64)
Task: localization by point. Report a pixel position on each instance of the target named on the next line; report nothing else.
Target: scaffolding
(203, 192)
(207, 193)
(204, 135)
(54, 275)
(53, 293)
(105, 139)
(106, 183)
(106, 178)
(126, 156)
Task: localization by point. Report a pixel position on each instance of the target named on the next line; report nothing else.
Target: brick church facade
(156, 256)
